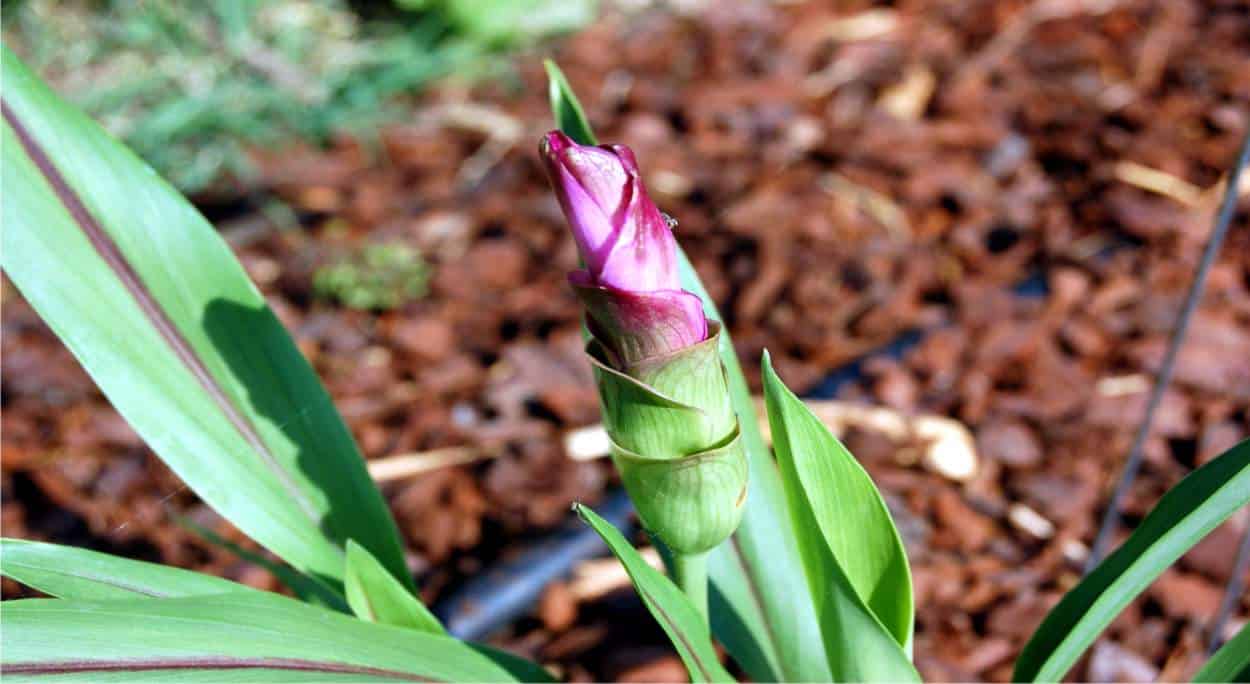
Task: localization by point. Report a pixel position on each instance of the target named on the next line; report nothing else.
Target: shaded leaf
(670, 607)
(306, 588)
(375, 596)
(834, 506)
(151, 301)
(1185, 514)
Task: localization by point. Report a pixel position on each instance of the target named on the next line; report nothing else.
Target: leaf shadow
(273, 381)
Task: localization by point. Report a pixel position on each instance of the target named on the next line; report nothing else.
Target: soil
(839, 177)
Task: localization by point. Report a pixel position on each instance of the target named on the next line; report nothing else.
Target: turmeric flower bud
(630, 284)
(657, 365)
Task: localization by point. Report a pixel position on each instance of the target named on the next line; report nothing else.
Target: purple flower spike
(630, 285)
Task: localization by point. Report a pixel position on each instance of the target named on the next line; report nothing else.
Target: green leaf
(774, 636)
(307, 588)
(375, 596)
(1185, 514)
(670, 607)
(1231, 663)
(237, 636)
(849, 512)
(72, 573)
(151, 301)
(568, 112)
(852, 554)
(517, 22)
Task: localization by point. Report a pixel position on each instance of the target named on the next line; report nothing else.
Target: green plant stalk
(690, 573)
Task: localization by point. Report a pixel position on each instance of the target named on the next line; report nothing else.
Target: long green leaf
(375, 596)
(229, 637)
(773, 635)
(72, 573)
(1231, 663)
(153, 304)
(670, 607)
(852, 553)
(1185, 514)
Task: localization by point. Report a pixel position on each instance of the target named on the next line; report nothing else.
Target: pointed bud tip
(554, 143)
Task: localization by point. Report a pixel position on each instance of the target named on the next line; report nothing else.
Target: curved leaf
(1185, 514)
(852, 554)
(153, 304)
(72, 573)
(213, 638)
(847, 508)
(375, 596)
(670, 607)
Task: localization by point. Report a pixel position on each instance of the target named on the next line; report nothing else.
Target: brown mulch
(839, 177)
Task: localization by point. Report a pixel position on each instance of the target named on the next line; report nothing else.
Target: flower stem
(690, 573)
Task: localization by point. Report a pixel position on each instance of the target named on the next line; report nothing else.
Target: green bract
(675, 442)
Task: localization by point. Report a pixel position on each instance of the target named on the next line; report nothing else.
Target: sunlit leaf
(852, 554)
(375, 596)
(72, 573)
(231, 637)
(150, 300)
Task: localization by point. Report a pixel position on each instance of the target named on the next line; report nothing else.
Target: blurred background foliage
(376, 276)
(191, 85)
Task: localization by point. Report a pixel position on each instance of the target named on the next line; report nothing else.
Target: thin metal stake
(1232, 593)
(1223, 219)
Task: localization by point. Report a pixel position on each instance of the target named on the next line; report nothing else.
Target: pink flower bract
(630, 284)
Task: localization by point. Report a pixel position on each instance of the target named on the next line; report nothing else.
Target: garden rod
(1223, 220)
(1231, 593)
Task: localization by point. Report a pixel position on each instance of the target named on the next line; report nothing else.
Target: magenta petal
(630, 287)
(600, 172)
(592, 228)
(644, 256)
(626, 155)
(638, 325)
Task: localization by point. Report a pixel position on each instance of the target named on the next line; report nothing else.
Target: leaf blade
(1183, 516)
(156, 639)
(848, 510)
(568, 112)
(375, 596)
(153, 304)
(1231, 663)
(670, 607)
(73, 573)
(858, 645)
